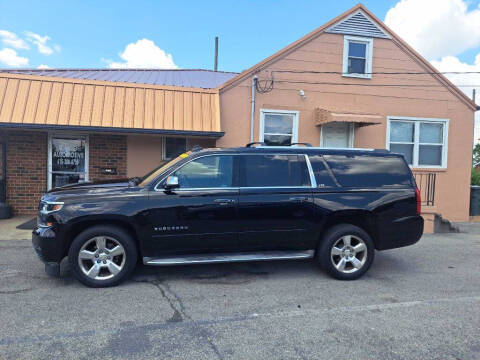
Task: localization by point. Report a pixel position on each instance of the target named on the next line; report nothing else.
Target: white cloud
(41, 43)
(43, 66)
(436, 28)
(453, 64)
(11, 39)
(143, 54)
(10, 57)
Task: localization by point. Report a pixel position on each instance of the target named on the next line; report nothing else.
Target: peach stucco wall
(324, 53)
(144, 152)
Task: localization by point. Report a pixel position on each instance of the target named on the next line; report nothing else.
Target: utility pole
(215, 67)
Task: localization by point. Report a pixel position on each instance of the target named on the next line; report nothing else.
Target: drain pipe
(252, 115)
(5, 209)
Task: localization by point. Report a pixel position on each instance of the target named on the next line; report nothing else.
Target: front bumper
(45, 244)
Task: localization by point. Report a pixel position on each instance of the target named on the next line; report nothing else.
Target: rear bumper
(402, 232)
(47, 248)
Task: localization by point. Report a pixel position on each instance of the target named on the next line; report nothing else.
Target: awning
(324, 116)
(51, 102)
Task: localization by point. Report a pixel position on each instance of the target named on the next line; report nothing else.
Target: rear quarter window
(369, 171)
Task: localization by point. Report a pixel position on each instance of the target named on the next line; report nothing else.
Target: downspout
(5, 209)
(252, 115)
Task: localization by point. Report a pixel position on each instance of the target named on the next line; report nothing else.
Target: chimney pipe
(215, 67)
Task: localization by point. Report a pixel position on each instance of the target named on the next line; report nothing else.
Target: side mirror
(171, 183)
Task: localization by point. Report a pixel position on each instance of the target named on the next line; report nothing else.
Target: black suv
(241, 204)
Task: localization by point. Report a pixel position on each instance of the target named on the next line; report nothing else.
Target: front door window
(67, 161)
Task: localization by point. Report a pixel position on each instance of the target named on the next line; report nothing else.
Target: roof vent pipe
(252, 115)
(215, 66)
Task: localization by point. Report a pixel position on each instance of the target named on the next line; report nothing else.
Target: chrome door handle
(298, 198)
(224, 201)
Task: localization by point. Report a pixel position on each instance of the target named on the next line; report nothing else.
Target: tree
(476, 155)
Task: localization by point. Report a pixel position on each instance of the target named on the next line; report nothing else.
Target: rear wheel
(346, 252)
(102, 256)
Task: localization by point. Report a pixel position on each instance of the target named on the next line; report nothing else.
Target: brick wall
(107, 151)
(26, 169)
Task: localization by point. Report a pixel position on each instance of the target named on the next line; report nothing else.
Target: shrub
(475, 179)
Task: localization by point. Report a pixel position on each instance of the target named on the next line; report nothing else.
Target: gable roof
(193, 78)
(337, 21)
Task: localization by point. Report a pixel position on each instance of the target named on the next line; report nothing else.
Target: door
(337, 135)
(200, 216)
(275, 207)
(67, 160)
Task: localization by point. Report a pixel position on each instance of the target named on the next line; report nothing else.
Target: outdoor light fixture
(302, 94)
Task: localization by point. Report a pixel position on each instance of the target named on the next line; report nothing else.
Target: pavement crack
(179, 314)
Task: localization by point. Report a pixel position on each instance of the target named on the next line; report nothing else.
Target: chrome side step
(227, 257)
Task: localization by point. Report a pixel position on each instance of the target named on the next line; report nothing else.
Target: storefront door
(67, 160)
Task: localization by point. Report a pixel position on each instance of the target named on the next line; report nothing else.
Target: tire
(102, 263)
(353, 245)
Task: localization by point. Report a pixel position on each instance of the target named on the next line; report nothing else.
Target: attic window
(357, 57)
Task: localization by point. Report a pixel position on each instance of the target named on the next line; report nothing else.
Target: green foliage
(475, 180)
(476, 155)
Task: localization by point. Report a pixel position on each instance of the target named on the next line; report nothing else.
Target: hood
(92, 184)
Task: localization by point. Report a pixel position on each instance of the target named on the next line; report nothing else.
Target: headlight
(47, 207)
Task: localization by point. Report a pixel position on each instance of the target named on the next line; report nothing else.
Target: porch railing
(426, 182)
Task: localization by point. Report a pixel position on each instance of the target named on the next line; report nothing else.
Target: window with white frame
(423, 142)
(278, 127)
(357, 56)
(173, 146)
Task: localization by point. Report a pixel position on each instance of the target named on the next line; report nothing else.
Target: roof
(394, 37)
(194, 78)
(56, 103)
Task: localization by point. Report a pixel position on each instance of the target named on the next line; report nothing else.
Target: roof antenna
(215, 67)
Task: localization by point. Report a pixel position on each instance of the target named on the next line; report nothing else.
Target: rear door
(275, 209)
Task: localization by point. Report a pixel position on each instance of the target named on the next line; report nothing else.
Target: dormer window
(357, 57)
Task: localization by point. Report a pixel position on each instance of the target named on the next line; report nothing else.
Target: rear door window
(322, 175)
(273, 171)
(358, 170)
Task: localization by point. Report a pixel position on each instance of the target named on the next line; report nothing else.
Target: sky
(180, 34)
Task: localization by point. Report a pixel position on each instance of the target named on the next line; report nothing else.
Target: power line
(366, 85)
(379, 72)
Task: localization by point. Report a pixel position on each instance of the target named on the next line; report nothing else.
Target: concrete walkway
(9, 231)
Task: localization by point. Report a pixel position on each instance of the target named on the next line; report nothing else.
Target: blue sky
(88, 31)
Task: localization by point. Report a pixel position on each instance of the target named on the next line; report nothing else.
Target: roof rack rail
(255, 143)
(196, 148)
(302, 143)
(381, 150)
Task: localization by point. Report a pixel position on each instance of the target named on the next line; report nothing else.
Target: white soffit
(359, 24)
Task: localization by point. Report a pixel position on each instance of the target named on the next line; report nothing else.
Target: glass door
(67, 160)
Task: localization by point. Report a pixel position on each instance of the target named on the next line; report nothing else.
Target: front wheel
(102, 256)
(346, 252)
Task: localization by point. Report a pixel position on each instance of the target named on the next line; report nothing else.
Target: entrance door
(337, 135)
(67, 160)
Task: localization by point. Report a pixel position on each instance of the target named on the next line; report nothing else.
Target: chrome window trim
(313, 183)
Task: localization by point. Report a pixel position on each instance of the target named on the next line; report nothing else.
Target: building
(350, 83)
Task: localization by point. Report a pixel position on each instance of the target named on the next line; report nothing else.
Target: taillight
(419, 201)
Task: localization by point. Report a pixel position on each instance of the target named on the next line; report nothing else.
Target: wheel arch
(118, 221)
(364, 219)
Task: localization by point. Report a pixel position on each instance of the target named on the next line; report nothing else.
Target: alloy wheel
(101, 258)
(349, 254)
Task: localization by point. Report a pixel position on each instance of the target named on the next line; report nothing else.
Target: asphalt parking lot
(421, 302)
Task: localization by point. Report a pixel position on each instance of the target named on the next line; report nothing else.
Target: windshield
(155, 172)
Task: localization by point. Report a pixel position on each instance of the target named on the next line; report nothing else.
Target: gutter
(215, 134)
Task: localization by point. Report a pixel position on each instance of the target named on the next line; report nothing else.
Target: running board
(227, 257)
